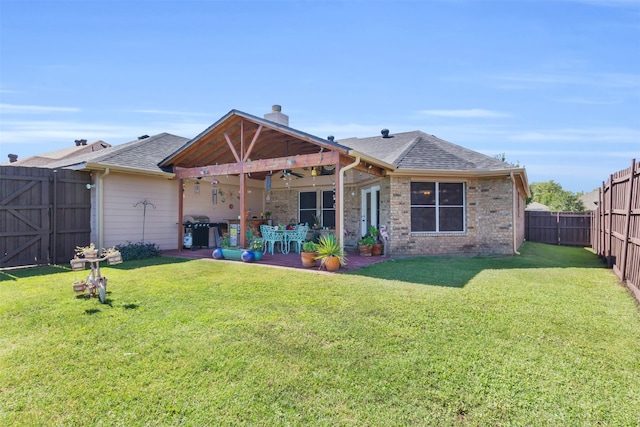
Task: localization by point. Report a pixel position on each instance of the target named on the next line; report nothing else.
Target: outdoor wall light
(90, 186)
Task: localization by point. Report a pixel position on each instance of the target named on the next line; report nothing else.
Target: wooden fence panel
(616, 236)
(558, 228)
(30, 208)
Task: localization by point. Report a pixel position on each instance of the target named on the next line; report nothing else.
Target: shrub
(131, 251)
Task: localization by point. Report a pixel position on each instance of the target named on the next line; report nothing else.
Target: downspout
(341, 200)
(101, 208)
(514, 215)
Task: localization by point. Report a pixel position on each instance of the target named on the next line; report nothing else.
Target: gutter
(514, 204)
(101, 207)
(355, 163)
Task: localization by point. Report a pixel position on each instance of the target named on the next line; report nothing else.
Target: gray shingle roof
(143, 154)
(417, 150)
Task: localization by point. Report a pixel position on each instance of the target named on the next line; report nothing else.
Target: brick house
(429, 196)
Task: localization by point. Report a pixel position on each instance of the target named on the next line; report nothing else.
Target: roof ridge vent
(385, 133)
(331, 138)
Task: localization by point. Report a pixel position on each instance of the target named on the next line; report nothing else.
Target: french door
(370, 208)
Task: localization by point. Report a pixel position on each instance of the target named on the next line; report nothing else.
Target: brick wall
(488, 220)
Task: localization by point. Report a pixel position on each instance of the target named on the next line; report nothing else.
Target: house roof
(139, 156)
(417, 150)
(535, 206)
(46, 159)
(590, 200)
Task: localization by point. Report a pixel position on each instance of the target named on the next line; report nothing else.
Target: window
(328, 209)
(308, 206)
(437, 207)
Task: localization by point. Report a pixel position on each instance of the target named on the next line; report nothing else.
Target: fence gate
(44, 215)
(558, 228)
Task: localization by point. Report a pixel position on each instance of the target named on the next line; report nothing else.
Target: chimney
(13, 158)
(276, 116)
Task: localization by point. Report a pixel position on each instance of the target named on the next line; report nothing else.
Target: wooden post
(610, 225)
(180, 213)
(623, 261)
(558, 228)
(243, 206)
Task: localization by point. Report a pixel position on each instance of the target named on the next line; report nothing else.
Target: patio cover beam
(263, 165)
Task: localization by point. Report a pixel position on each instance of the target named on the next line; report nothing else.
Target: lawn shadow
(130, 306)
(457, 272)
(17, 273)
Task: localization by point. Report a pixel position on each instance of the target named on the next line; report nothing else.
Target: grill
(197, 226)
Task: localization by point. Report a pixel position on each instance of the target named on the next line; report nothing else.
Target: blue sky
(555, 85)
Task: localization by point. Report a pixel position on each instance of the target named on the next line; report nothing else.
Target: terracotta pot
(377, 248)
(308, 259)
(365, 250)
(332, 263)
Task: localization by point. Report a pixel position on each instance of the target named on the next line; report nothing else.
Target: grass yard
(547, 338)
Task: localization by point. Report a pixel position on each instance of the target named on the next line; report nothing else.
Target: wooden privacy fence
(615, 231)
(44, 215)
(558, 228)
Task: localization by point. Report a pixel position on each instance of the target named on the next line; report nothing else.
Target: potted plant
(256, 246)
(330, 253)
(376, 249)
(88, 252)
(317, 222)
(113, 255)
(309, 253)
(365, 244)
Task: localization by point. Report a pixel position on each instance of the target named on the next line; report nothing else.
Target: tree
(551, 194)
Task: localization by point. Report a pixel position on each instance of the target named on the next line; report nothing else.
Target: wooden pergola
(245, 145)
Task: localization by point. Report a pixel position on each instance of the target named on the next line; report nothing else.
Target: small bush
(131, 251)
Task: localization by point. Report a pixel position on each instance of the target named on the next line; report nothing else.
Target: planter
(90, 254)
(376, 249)
(114, 258)
(79, 287)
(365, 250)
(233, 254)
(332, 263)
(308, 259)
(77, 264)
(236, 254)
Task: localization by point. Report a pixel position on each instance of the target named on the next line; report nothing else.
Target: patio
(280, 260)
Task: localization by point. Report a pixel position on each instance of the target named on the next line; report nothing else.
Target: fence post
(627, 223)
(610, 225)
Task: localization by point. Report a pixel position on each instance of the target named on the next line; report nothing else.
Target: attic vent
(143, 137)
(13, 158)
(80, 142)
(331, 138)
(385, 133)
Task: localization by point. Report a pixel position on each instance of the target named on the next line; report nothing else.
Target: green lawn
(547, 338)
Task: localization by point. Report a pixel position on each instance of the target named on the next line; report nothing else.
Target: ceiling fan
(288, 172)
